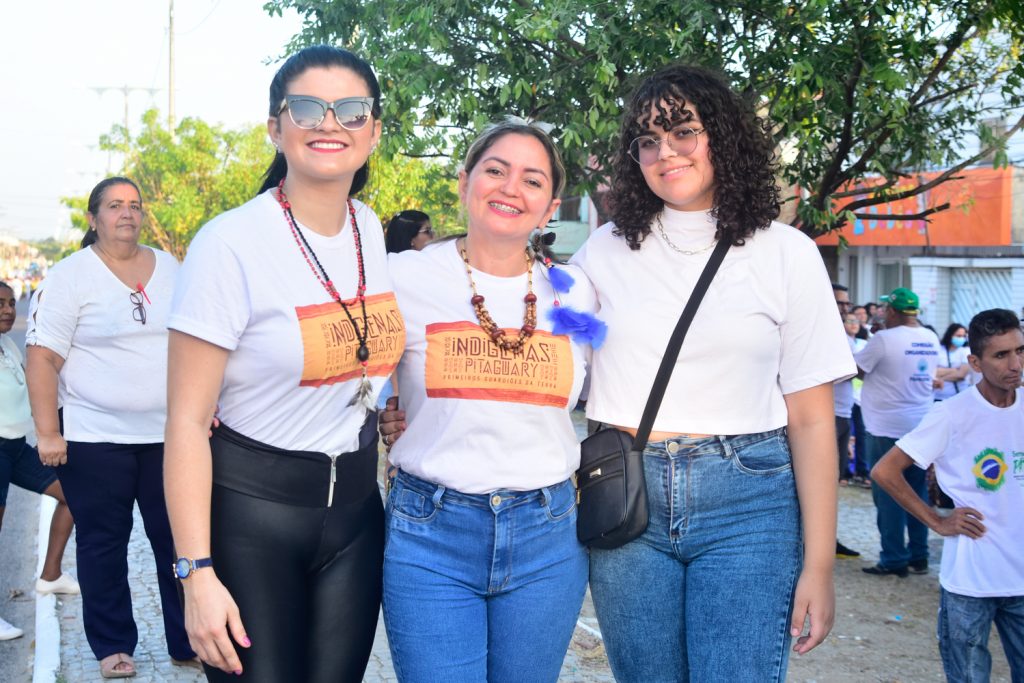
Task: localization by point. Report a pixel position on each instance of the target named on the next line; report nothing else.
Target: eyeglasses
(426, 231)
(139, 311)
(646, 149)
(308, 112)
(843, 304)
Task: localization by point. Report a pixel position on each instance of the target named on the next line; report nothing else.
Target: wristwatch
(183, 567)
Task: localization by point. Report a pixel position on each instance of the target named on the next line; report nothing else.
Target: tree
(858, 93)
(186, 178)
(401, 183)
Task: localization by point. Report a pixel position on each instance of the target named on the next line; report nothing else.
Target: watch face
(182, 567)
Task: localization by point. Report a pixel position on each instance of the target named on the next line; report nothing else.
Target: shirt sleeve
(869, 356)
(211, 297)
(814, 346)
(55, 314)
(928, 441)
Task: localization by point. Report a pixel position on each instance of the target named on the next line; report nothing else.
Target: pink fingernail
(238, 672)
(247, 641)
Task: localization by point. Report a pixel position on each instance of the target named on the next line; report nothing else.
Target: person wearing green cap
(898, 365)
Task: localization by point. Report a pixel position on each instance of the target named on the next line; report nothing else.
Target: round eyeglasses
(308, 112)
(646, 149)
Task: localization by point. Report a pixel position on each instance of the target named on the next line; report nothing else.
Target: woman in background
(101, 337)
(409, 229)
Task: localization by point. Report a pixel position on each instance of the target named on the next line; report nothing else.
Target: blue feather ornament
(584, 328)
(561, 281)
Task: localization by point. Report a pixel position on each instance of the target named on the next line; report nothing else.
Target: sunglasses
(308, 112)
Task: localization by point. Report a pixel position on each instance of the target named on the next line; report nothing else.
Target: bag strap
(675, 343)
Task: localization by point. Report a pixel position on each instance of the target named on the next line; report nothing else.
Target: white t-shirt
(15, 413)
(842, 392)
(899, 365)
(767, 327)
(114, 378)
(953, 359)
(978, 452)
(245, 286)
(480, 418)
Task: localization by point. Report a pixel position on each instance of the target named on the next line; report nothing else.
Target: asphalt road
(17, 563)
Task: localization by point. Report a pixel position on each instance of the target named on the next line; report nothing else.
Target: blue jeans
(705, 594)
(897, 550)
(964, 626)
(481, 587)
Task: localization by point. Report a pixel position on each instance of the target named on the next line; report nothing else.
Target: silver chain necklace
(684, 252)
(8, 362)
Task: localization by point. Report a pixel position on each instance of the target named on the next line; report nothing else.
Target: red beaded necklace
(363, 353)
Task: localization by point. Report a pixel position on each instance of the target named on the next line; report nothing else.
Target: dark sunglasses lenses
(352, 114)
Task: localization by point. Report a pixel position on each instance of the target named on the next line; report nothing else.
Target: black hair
(402, 230)
(836, 287)
(870, 307)
(96, 198)
(4, 285)
(988, 324)
(741, 151)
(947, 336)
(314, 57)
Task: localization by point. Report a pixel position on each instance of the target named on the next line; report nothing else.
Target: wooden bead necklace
(363, 352)
(496, 334)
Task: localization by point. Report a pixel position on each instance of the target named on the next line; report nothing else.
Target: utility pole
(124, 90)
(170, 67)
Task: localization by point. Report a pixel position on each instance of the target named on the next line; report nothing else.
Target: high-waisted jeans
(305, 574)
(705, 594)
(481, 587)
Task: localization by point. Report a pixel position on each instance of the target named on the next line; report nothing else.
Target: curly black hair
(746, 197)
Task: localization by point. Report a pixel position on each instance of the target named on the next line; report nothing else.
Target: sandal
(194, 663)
(119, 665)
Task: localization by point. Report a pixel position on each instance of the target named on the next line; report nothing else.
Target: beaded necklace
(363, 353)
(487, 323)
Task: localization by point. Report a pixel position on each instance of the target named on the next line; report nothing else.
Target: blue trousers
(102, 482)
(964, 626)
(705, 594)
(898, 550)
(481, 587)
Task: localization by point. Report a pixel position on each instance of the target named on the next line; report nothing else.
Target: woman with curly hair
(741, 463)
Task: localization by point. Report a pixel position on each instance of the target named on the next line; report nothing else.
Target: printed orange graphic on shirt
(329, 343)
(462, 362)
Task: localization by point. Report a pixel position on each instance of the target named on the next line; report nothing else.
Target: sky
(55, 54)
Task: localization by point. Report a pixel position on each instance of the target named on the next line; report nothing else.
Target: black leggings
(306, 577)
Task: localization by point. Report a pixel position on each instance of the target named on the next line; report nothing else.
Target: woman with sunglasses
(99, 349)
(741, 465)
(284, 322)
(409, 229)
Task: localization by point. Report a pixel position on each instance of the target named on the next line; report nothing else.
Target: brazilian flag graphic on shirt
(990, 469)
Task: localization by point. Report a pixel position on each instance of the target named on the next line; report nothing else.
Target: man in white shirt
(898, 365)
(976, 442)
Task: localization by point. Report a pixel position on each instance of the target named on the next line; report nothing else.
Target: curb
(47, 656)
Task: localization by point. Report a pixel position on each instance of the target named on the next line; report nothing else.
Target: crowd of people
(236, 400)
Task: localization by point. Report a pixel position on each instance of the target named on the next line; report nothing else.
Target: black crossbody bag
(611, 491)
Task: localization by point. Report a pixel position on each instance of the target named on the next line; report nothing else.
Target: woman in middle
(483, 575)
